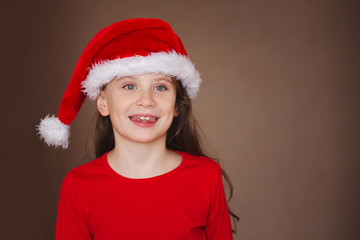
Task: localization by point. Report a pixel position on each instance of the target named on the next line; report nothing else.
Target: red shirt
(186, 203)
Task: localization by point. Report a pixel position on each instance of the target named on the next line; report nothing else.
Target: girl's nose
(146, 99)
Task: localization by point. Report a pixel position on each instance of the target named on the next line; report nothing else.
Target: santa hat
(129, 47)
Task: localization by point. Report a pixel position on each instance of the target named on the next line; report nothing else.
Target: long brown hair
(183, 135)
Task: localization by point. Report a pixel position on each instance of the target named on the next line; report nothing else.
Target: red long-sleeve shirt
(186, 203)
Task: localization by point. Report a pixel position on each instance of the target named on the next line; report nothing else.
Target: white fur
(54, 132)
(167, 63)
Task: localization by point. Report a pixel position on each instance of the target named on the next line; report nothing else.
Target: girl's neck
(142, 160)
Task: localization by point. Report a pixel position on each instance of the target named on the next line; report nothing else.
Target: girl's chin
(144, 140)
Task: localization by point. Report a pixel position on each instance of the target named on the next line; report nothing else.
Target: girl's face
(141, 107)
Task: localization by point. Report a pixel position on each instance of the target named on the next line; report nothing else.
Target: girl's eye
(160, 88)
(129, 86)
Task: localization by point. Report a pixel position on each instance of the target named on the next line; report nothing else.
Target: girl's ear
(176, 112)
(102, 105)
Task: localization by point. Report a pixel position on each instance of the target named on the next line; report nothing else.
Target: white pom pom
(54, 132)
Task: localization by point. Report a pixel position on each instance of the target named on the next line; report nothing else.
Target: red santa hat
(129, 47)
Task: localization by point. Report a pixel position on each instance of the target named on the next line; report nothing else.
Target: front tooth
(147, 118)
(142, 118)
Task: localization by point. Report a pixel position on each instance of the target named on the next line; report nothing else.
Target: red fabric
(186, 203)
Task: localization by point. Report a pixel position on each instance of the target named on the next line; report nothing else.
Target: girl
(151, 179)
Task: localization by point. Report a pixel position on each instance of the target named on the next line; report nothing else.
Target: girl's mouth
(143, 118)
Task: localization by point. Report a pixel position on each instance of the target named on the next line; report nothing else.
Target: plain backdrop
(279, 105)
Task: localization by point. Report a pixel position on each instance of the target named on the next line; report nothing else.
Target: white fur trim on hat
(54, 132)
(167, 63)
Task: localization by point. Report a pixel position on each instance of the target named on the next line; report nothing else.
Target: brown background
(279, 105)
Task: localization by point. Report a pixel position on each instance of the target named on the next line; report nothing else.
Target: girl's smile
(141, 107)
(144, 120)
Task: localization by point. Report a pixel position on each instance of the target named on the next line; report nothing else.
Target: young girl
(151, 179)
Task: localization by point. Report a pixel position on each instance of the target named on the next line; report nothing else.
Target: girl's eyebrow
(166, 78)
(120, 79)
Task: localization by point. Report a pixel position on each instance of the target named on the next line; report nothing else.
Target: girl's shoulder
(206, 166)
(87, 170)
